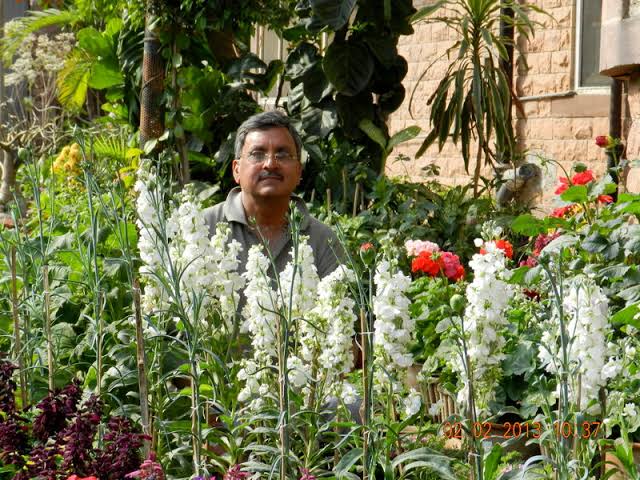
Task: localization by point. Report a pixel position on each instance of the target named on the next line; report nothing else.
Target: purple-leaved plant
(121, 452)
(7, 387)
(77, 438)
(55, 411)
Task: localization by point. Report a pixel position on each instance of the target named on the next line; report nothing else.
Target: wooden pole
(47, 324)
(142, 371)
(16, 328)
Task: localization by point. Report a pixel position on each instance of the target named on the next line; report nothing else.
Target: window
(588, 20)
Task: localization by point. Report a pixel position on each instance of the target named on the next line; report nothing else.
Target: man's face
(271, 177)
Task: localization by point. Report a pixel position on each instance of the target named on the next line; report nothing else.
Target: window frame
(593, 90)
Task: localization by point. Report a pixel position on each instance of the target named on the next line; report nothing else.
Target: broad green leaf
(73, 80)
(104, 76)
(628, 316)
(575, 194)
(333, 13)
(403, 136)
(373, 132)
(348, 66)
(94, 43)
(528, 225)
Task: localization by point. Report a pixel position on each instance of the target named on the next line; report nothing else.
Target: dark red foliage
(121, 453)
(7, 387)
(55, 410)
(77, 438)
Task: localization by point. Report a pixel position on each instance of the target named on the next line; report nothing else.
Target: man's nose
(270, 161)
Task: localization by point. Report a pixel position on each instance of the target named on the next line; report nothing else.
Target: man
(267, 168)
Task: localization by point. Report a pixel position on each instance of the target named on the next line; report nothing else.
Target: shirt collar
(234, 211)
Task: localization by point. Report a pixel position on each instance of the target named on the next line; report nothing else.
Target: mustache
(264, 174)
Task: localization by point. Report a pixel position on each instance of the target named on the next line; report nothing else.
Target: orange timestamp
(508, 430)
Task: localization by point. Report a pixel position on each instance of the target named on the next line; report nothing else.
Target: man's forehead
(269, 133)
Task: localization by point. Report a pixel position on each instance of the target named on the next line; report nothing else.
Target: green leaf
(373, 132)
(575, 194)
(426, 11)
(348, 67)
(528, 225)
(492, 461)
(520, 361)
(347, 461)
(104, 76)
(333, 13)
(94, 43)
(320, 121)
(403, 136)
(73, 80)
(628, 316)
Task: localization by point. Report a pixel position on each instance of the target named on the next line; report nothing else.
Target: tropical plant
(472, 103)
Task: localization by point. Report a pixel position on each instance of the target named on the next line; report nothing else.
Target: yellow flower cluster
(68, 162)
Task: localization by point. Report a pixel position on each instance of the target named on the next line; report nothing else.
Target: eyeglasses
(282, 157)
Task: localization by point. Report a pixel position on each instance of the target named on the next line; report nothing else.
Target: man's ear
(235, 166)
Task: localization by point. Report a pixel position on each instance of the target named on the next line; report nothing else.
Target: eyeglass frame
(274, 156)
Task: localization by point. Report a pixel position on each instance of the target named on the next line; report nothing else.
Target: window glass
(589, 45)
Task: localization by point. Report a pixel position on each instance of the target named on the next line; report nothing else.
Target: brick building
(566, 100)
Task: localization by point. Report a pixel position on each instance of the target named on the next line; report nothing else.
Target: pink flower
(416, 247)
(453, 270)
(150, 469)
(306, 474)
(366, 246)
(234, 473)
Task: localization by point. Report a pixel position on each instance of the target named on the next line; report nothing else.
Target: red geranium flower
(582, 178)
(562, 212)
(605, 199)
(424, 263)
(605, 141)
(564, 184)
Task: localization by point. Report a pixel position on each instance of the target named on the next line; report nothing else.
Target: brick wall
(560, 125)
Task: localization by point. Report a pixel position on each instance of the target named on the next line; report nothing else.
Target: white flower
(488, 296)
(412, 403)
(393, 326)
(586, 313)
(435, 408)
(349, 394)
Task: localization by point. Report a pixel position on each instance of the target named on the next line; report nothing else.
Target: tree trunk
(9, 191)
(151, 125)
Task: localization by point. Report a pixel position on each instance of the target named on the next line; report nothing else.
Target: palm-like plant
(473, 100)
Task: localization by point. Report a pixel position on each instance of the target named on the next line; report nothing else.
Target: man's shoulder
(320, 230)
(215, 214)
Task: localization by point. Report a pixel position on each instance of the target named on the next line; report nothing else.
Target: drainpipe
(615, 130)
(506, 64)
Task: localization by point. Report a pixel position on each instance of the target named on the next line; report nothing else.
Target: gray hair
(265, 121)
